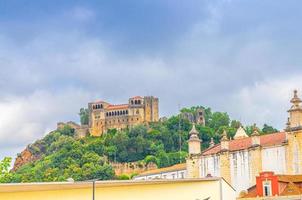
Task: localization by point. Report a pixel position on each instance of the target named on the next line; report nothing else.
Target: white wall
(210, 165)
(240, 173)
(273, 159)
(178, 174)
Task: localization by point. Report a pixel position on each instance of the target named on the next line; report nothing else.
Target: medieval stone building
(197, 117)
(243, 158)
(138, 110)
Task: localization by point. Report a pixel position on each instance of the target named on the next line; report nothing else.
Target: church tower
(294, 136)
(295, 112)
(194, 159)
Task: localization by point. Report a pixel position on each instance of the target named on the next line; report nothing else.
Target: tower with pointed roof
(295, 113)
(240, 133)
(294, 136)
(224, 141)
(194, 142)
(255, 136)
(193, 161)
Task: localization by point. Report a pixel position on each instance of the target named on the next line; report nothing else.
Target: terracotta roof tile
(100, 101)
(245, 143)
(290, 178)
(136, 97)
(291, 189)
(291, 186)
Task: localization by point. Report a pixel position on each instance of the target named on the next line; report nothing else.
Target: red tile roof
(136, 97)
(116, 107)
(289, 185)
(245, 143)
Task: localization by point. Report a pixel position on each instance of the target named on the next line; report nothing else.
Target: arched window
(132, 102)
(101, 105)
(126, 112)
(135, 102)
(115, 113)
(139, 101)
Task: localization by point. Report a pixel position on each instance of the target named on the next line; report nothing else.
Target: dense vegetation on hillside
(62, 156)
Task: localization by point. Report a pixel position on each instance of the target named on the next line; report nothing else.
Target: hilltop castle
(138, 110)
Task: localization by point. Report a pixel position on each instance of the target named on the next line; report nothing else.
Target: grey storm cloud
(229, 59)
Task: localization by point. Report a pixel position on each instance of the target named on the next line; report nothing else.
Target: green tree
(84, 116)
(268, 129)
(218, 119)
(67, 130)
(4, 169)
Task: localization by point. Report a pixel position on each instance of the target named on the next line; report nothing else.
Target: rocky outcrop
(23, 158)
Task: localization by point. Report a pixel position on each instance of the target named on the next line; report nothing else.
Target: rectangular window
(182, 174)
(267, 188)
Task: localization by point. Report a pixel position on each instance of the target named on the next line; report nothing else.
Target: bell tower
(294, 136)
(193, 161)
(295, 113)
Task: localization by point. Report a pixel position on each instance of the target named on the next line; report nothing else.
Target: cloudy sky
(238, 56)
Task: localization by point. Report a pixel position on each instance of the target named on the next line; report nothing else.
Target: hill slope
(59, 155)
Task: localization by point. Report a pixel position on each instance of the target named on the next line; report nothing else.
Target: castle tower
(97, 117)
(200, 116)
(294, 136)
(151, 109)
(194, 160)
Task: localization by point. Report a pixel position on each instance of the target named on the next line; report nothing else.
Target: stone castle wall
(131, 168)
(104, 116)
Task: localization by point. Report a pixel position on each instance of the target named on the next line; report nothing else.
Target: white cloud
(48, 77)
(266, 101)
(27, 118)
